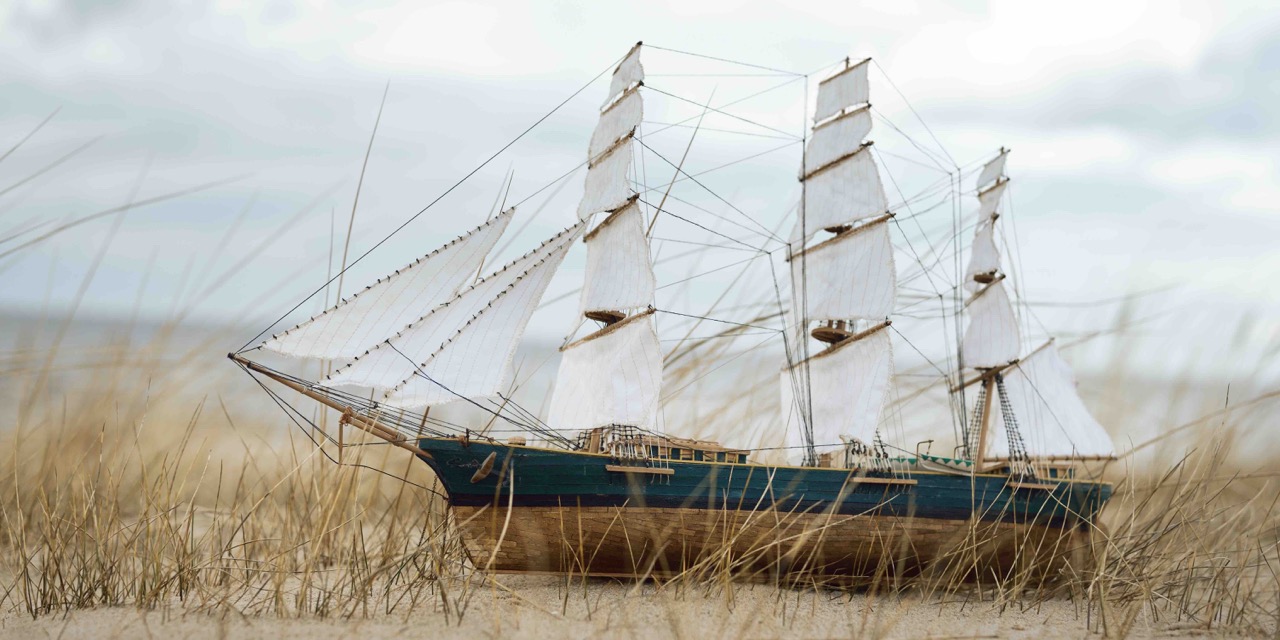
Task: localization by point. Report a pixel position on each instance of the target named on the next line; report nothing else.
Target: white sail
(619, 272)
(627, 73)
(837, 138)
(1051, 418)
(845, 89)
(618, 121)
(992, 171)
(475, 362)
(849, 384)
(355, 324)
(842, 194)
(847, 277)
(613, 377)
(992, 338)
(607, 186)
(989, 201)
(396, 359)
(984, 257)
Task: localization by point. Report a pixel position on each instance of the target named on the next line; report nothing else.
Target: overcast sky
(1144, 138)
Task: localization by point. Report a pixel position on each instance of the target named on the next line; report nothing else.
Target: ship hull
(548, 511)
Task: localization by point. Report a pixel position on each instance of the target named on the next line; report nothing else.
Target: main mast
(843, 279)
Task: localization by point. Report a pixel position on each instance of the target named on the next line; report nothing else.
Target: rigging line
(680, 167)
(768, 234)
(718, 367)
(927, 153)
(737, 324)
(718, 75)
(536, 212)
(703, 244)
(437, 199)
(899, 225)
(1016, 252)
(913, 111)
(657, 262)
(681, 125)
(918, 351)
(723, 335)
(708, 230)
(711, 213)
(319, 447)
(719, 111)
(550, 184)
(914, 161)
(1061, 426)
(418, 371)
(730, 164)
(707, 273)
(738, 101)
(737, 62)
(800, 299)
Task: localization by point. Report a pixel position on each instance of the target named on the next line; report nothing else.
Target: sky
(1143, 139)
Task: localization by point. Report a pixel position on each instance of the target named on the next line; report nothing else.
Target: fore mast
(612, 377)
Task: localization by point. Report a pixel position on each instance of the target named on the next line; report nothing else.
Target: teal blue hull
(536, 477)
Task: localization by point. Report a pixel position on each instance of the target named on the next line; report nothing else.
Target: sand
(538, 607)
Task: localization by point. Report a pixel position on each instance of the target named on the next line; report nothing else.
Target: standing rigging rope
(431, 204)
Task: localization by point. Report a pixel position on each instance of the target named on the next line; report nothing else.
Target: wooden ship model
(594, 488)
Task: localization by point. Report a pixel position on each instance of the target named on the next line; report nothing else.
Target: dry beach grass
(128, 503)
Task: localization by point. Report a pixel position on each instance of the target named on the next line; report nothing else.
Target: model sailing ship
(602, 492)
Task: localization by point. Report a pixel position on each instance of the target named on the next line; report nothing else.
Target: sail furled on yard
(611, 377)
(850, 276)
(992, 338)
(394, 361)
(368, 317)
(1051, 418)
(847, 389)
(619, 272)
(845, 89)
